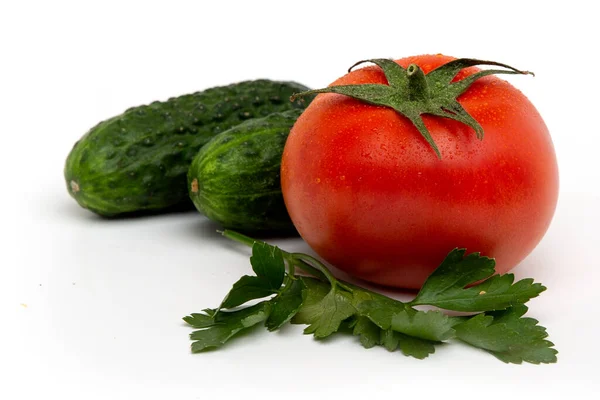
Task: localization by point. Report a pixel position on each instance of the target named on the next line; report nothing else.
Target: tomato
(370, 196)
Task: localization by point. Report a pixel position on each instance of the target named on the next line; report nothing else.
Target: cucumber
(138, 161)
(235, 178)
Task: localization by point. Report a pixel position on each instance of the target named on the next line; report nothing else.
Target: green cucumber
(138, 161)
(235, 178)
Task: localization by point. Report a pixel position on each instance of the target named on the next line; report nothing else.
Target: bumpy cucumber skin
(138, 161)
(235, 178)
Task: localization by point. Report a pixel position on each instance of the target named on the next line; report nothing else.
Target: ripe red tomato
(370, 196)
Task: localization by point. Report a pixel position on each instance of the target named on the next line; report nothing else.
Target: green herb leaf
(267, 262)
(246, 289)
(285, 305)
(508, 336)
(389, 339)
(445, 287)
(201, 320)
(415, 347)
(409, 346)
(315, 292)
(225, 325)
(428, 325)
(369, 333)
(380, 312)
(327, 316)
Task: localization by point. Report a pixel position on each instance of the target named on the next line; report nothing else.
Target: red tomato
(370, 196)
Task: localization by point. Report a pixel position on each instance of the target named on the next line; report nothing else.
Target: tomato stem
(418, 88)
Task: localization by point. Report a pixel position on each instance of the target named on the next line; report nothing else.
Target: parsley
(445, 287)
(330, 312)
(408, 345)
(285, 305)
(369, 333)
(267, 263)
(221, 326)
(328, 305)
(508, 336)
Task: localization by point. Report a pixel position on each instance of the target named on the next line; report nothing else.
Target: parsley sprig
(328, 305)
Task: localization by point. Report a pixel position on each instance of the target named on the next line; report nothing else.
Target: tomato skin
(368, 194)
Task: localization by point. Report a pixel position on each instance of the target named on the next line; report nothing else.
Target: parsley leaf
(324, 308)
(508, 336)
(269, 267)
(368, 332)
(428, 325)
(399, 317)
(380, 312)
(201, 320)
(315, 292)
(371, 335)
(222, 326)
(329, 313)
(267, 263)
(285, 305)
(445, 287)
(409, 346)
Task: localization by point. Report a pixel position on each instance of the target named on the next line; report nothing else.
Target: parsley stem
(304, 266)
(238, 237)
(290, 264)
(377, 295)
(316, 264)
(292, 260)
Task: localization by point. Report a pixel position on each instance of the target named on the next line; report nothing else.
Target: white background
(92, 309)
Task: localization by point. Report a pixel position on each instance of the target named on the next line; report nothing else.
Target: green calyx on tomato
(412, 93)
